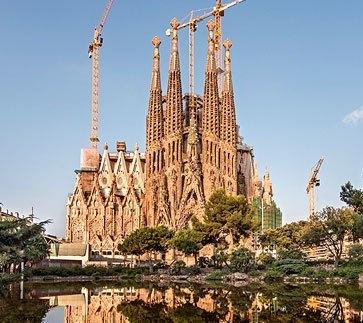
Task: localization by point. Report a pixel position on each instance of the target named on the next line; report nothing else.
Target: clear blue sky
(297, 68)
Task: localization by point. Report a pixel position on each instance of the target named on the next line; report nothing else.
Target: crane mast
(312, 183)
(217, 12)
(94, 53)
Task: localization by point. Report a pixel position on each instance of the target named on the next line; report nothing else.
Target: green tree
(146, 240)
(352, 197)
(21, 240)
(225, 215)
(330, 228)
(355, 252)
(288, 237)
(242, 259)
(188, 241)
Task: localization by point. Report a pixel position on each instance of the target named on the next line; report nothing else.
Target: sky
(297, 72)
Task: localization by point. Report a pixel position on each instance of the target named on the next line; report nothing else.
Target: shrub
(322, 274)
(290, 254)
(356, 252)
(274, 273)
(291, 266)
(220, 258)
(308, 272)
(349, 272)
(85, 271)
(192, 270)
(265, 259)
(204, 262)
(177, 267)
(216, 275)
(242, 259)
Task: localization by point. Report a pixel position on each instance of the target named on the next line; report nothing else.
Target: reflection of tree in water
(140, 311)
(335, 312)
(189, 313)
(198, 303)
(287, 303)
(12, 309)
(268, 303)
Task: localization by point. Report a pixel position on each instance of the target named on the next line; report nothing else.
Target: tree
(188, 241)
(21, 241)
(330, 228)
(355, 252)
(352, 197)
(288, 237)
(146, 240)
(225, 215)
(242, 259)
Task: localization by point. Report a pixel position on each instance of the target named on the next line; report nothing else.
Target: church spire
(211, 97)
(267, 194)
(155, 110)
(155, 78)
(228, 113)
(174, 108)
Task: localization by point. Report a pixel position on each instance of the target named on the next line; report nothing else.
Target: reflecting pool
(141, 302)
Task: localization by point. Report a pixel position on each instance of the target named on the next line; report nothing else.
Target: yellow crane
(94, 53)
(217, 12)
(312, 183)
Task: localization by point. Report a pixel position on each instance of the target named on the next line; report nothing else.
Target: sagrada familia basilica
(192, 149)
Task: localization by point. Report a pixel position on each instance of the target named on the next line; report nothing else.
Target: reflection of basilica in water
(191, 304)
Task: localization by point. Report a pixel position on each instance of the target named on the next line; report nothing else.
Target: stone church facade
(192, 148)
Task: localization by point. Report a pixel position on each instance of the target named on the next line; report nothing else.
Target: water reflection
(176, 303)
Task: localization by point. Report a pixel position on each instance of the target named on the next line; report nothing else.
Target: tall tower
(228, 126)
(210, 120)
(154, 137)
(173, 130)
(267, 193)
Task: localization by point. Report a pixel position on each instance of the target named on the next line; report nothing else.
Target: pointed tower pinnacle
(211, 97)
(228, 113)
(174, 60)
(155, 78)
(174, 104)
(155, 110)
(267, 188)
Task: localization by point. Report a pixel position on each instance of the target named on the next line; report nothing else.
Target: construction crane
(94, 53)
(312, 183)
(217, 12)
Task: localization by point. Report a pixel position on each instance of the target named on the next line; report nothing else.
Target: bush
(242, 260)
(177, 267)
(349, 272)
(85, 271)
(323, 273)
(204, 262)
(274, 273)
(290, 266)
(220, 258)
(216, 275)
(192, 270)
(265, 259)
(291, 254)
(356, 252)
(308, 272)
